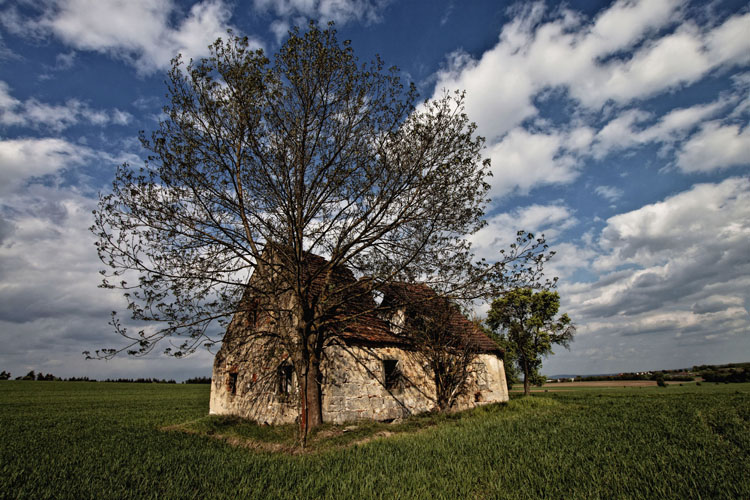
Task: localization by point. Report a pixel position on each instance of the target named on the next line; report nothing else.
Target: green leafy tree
(528, 326)
(259, 164)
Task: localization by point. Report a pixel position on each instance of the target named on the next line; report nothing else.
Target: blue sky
(619, 129)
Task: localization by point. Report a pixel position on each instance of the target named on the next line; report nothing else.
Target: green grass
(327, 437)
(96, 440)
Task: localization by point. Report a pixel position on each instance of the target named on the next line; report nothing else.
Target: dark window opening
(285, 379)
(232, 383)
(392, 374)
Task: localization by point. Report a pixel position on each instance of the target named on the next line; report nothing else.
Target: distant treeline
(667, 375)
(729, 373)
(49, 377)
(140, 380)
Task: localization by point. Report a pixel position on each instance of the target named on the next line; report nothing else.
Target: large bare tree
(259, 165)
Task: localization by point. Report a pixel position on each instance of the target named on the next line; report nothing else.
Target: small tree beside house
(527, 320)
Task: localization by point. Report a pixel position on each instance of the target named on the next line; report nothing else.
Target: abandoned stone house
(369, 371)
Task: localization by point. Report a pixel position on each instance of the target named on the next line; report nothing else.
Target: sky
(617, 129)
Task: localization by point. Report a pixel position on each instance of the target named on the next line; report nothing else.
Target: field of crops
(106, 440)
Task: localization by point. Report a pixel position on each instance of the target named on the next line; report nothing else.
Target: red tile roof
(425, 300)
(360, 319)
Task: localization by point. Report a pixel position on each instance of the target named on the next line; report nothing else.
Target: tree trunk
(311, 411)
(526, 381)
(314, 406)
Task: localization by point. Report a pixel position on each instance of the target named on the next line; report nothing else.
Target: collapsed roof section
(358, 318)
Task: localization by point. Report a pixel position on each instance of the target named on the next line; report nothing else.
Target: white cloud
(609, 193)
(532, 55)
(729, 42)
(632, 50)
(35, 114)
(715, 147)
(626, 22)
(686, 257)
(629, 129)
(498, 94)
(523, 160)
(144, 33)
(681, 57)
(339, 11)
(21, 159)
(50, 306)
(501, 229)
(662, 64)
(683, 296)
(568, 258)
(705, 215)
(618, 133)
(677, 122)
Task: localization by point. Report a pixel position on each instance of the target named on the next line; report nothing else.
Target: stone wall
(254, 367)
(353, 386)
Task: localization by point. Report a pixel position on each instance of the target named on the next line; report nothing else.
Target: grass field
(104, 440)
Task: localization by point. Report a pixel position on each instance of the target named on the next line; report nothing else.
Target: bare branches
(312, 151)
(261, 166)
(436, 331)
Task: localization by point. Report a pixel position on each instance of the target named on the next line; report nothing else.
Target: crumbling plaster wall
(353, 385)
(354, 388)
(254, 365)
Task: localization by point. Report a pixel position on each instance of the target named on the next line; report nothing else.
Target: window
(391, 374)
(232, 383)
(285, 379)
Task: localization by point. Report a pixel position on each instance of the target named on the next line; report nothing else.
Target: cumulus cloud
(670, 284)
(668, 265)
(715, 147)
(144, 33)
(532, 55)
(523, 160)
(501, 229)
(630, 52)
(50, 307)
(704, 216)
(36, 114)
(21, 159)
(635, 127)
